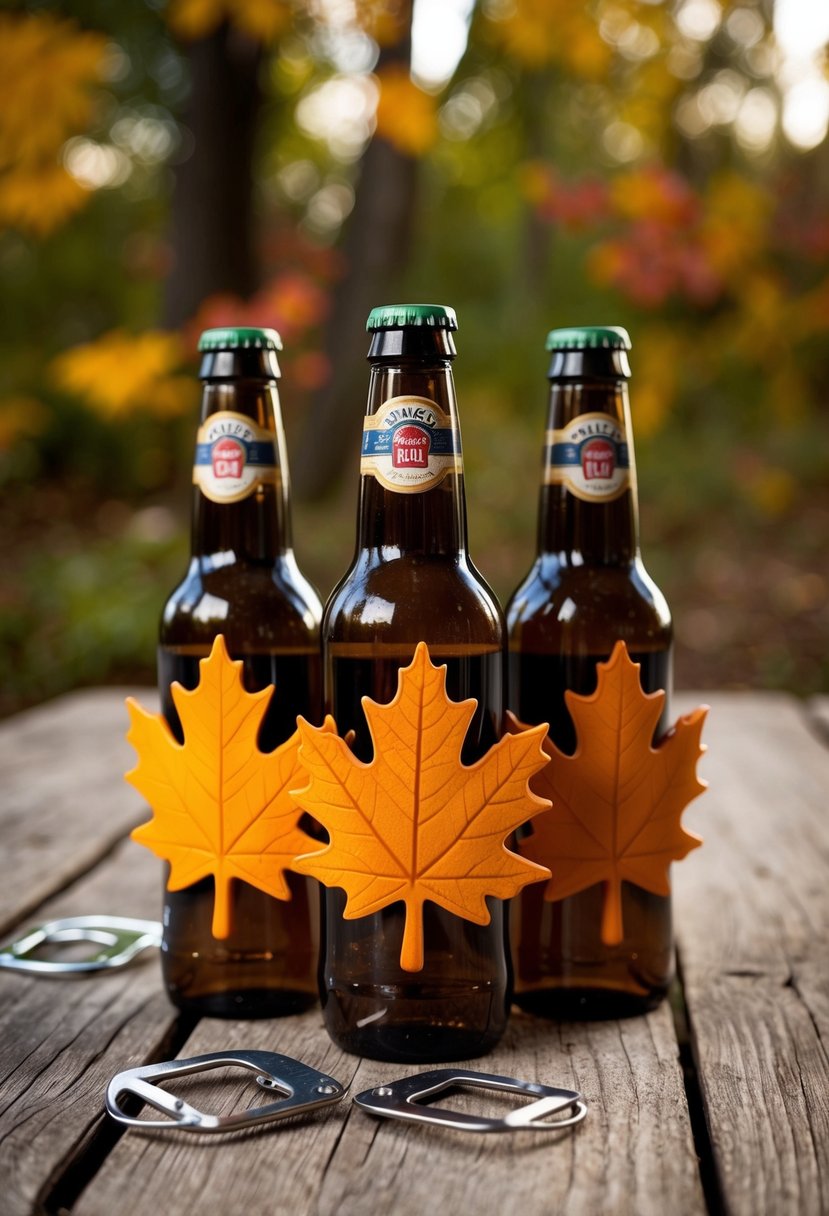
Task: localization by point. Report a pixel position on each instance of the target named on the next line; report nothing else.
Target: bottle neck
(588, 510)
(425, 514)
(256, 526)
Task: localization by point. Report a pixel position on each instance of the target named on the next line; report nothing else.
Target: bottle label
(410, 445)
(589, 457)
(233, 457)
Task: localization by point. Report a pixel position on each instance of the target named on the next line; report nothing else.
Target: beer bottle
(411, 580)
(587, 589)
(243, 582)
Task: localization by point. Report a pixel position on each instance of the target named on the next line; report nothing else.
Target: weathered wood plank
(752, 921)
(817, 708)
(751, 913)
(633, 1154)
(64, 803)
(253, 1171)
(61, 1040)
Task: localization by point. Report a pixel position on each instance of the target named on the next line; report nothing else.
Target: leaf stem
(612, 927)
(411, 952)
(221, 908)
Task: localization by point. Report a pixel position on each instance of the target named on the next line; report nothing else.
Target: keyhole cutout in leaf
(220, 806)
(415, 824)
(617, 802)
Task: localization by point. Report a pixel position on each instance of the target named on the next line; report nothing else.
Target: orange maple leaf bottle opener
(601, 943)
(242, 581)
(415, 824)
(617, 802)
(412, 581)
(221, 807)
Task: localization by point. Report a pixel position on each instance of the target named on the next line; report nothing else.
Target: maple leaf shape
(220, 806)
(617, 801)
(416, 824)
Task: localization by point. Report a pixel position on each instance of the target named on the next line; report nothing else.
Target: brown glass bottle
(587, 589)
(411, 580)
(243, 582)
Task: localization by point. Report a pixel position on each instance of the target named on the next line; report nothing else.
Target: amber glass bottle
(587, 589)
(243, 582)
(411, 580)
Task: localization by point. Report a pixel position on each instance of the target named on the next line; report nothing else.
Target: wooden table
(716, 1102)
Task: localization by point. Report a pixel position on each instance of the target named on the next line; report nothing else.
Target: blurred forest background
(660, 164)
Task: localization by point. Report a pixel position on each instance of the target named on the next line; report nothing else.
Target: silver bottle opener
(303, 1089)
(406, 1098)
(121, 938)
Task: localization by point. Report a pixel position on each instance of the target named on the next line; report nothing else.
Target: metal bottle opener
(406, 1098)
(303, 1089)
(121, 938)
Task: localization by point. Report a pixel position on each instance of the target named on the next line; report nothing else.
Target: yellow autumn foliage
(649, 192)
(120, 374)
(406, 116)
(661, 354)
(605, 262)
(39, 198)
(49, 68)
(386, 21)
(20, 417)
(772, 491)
(648, 103)
(760, 330)
(537, 33)
(811, 312)
(262, 20)
(735, 227)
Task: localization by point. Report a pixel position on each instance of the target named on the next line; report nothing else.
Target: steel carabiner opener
(407, 1098)
(121, 938)
(302, 1089)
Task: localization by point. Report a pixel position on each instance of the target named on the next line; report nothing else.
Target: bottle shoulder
(254, 605)
(413, 598)
(590, 605)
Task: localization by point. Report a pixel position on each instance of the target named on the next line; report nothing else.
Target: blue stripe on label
(381, 443)
(257, 452)
(560, 455)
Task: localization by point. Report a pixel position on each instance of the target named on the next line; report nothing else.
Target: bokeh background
(660, 164)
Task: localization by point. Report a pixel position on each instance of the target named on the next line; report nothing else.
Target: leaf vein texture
(424, 804)
(229, 789)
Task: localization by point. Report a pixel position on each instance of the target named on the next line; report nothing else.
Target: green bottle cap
(240, 337)
(589, 337)
(395, 316)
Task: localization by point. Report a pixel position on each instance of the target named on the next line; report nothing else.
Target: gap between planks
(65, 804)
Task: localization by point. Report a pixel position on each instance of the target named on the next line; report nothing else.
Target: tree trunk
(377, 247)
(212, 212)
(538, 233)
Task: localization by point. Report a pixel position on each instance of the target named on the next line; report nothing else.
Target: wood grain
(64, 803)
(817, 712)
(633, 1154)
(752, 924)
(62, 1040)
